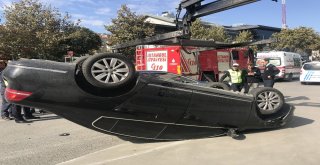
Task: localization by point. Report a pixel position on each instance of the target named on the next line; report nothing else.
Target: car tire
(268, 100)
(303, 83)
(79, 61)
(219, 85)
(108, 70)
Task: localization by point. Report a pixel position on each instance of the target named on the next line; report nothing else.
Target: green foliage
(128, 26)
(82, 40)
(199, 31)
(32, 30)
(300, 39)
(244, 36)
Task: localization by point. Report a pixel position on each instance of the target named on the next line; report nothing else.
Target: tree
(32, 30)
(300, 39)
(82, 40)
(199, 31)
(244, 36)
(128, 26)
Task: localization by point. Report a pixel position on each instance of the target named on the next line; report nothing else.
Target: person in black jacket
(270, 71)
(252, 78)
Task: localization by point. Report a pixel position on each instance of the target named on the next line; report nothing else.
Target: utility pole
(284, 15)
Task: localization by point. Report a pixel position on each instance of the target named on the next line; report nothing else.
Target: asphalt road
(40, 142)
(297, 143)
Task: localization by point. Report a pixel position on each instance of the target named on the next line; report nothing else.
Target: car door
(176, 97)
(151, 111)
(214, 107)
(188, 126)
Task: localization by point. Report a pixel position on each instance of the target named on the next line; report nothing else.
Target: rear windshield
(315, 66)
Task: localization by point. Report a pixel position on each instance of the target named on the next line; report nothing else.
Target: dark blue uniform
(269, 74)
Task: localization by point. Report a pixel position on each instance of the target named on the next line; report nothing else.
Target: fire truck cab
(201, 64)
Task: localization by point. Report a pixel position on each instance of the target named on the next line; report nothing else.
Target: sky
(94, 14)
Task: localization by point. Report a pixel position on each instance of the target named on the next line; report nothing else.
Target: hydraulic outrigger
(193, 9)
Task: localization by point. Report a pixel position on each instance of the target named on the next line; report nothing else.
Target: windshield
(312, 66)
(274, 61)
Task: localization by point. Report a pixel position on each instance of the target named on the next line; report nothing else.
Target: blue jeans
(5, 106)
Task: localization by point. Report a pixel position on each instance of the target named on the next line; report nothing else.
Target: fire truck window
(235, 55)
(246, 54)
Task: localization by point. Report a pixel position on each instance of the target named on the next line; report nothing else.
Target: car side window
(182, 79)
(307, 67)
(175, 78)
(235, 55)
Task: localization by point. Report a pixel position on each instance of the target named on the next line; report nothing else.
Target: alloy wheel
(268, 101)
(110, 70)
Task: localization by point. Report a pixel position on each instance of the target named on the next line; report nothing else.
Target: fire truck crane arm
(194, 9)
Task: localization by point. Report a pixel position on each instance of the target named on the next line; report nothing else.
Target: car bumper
(283, 119)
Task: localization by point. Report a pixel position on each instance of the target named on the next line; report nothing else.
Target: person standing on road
(237, 77)
(270, 71)
(252, 77)
(5, 106)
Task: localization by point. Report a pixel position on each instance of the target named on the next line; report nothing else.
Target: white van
(288, 63)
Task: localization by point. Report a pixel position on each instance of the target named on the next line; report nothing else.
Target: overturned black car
(104, 93)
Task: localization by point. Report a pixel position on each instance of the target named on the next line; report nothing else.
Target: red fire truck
(202, 64)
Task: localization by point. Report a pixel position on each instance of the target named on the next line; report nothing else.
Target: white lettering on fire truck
(157, 60)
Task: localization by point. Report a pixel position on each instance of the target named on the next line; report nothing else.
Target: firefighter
(236, 76)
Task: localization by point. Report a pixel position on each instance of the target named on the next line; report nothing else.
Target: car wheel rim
(110, 70)
(268, 101)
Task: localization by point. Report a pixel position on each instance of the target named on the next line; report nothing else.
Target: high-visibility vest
(235, 76)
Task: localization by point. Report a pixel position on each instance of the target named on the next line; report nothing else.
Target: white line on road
(78, 158)
(140, 153)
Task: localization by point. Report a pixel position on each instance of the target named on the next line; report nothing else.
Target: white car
(310, 72)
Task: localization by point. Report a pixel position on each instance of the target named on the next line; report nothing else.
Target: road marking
(140, 153)
(96, 152)
(85, 157)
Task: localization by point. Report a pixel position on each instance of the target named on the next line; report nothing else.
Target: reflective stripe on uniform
(235, 76)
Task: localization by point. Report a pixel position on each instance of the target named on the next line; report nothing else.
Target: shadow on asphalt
(298, 122)
(289, 100)
(282, 80)
(309, 104)
(295, 122)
